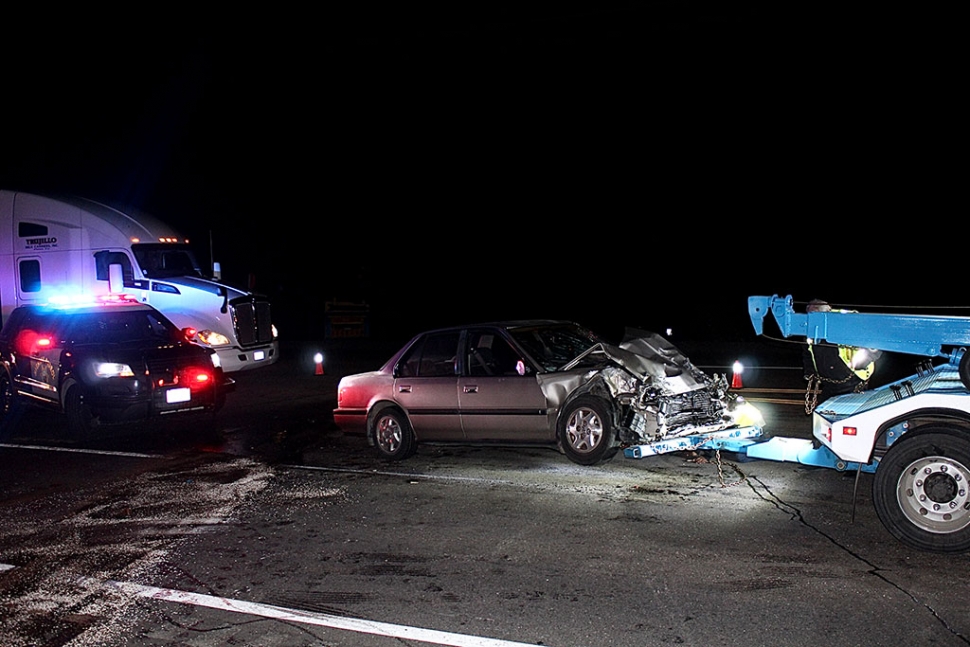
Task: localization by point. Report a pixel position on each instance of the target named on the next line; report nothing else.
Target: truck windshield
(159, 261)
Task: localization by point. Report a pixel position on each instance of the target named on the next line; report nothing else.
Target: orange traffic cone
(736, 379)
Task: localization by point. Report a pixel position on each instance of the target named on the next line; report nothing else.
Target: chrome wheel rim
(932, 493)
(389, 434)
(584, 430)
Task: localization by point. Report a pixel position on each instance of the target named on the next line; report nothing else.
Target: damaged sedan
(540, 382)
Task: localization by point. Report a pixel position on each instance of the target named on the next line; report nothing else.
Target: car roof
(506, 324)
(73, 309)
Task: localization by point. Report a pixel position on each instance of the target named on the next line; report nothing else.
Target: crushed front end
(665, 402)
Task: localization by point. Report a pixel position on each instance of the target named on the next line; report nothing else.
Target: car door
(426, 386)
(38, 346)
(498, 394)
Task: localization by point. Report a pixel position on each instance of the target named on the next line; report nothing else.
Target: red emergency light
(849, 431)
(29, 342)
(196, 377)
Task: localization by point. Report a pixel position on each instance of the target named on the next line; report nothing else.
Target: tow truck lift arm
(913, 435)
(925, 335)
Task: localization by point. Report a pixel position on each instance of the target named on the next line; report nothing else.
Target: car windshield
(554, 345)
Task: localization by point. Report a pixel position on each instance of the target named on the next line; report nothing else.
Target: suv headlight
(112, 369)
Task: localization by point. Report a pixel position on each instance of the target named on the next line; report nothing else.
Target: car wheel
(585, 432)
(11, 406)
(80, 418)
(920, 490)
(393, 437)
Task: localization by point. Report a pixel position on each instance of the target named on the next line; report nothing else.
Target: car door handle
(470, 388)
(404, 389)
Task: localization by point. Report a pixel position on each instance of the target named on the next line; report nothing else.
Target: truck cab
(51, 246)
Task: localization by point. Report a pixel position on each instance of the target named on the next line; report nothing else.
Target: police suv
(111, 361)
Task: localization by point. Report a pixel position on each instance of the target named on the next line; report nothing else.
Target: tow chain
(811, 392)
(814, 388)
(720, 471)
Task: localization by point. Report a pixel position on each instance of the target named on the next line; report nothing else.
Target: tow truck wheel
(11, 407)
(921, 490)
(393, 437)
(585, 432)
(80, 418)
(964, 368)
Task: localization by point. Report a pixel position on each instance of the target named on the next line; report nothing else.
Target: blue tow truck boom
(925, 335)
(913, 435)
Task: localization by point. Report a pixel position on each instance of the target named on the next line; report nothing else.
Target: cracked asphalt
(290, 533)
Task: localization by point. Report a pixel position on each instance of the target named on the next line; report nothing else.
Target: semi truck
(912, 435)
(57, 248)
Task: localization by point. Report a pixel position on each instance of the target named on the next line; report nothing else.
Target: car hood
(650, 357)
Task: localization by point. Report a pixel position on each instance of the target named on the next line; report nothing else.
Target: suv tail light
(195, 378)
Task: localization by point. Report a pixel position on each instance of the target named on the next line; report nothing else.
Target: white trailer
(57, 248)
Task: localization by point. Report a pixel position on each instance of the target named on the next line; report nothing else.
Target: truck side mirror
(116, 278)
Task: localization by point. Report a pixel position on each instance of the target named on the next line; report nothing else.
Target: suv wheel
(80, 419)
(11, 406)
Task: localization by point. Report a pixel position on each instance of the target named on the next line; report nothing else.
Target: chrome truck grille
(252, 321)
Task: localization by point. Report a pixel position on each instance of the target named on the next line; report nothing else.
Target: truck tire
(11, 406)
(964, 369)
(921, 489)
(393, 436)
(80, 418)
(585, 431)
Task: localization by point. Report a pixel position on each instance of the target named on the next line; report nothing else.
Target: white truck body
(62, 247)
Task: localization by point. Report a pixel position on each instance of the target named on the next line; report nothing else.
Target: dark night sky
(641, 163)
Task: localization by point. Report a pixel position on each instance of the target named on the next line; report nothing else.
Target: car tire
(585, 433)
(920, 489)
(80, 419)
(11, 406)
(393, 437)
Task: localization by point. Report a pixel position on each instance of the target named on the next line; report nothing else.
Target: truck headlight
(111, 369)
(212, 338)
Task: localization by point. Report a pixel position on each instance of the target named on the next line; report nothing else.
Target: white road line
(306, 617)
(439, 477)
(80, 451)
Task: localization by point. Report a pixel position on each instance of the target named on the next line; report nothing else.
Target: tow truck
(913, 434)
